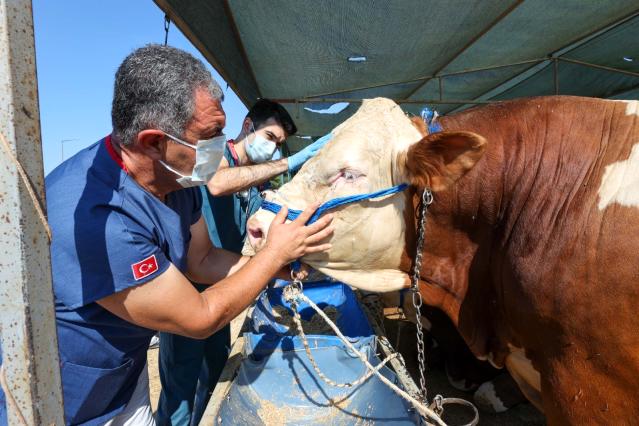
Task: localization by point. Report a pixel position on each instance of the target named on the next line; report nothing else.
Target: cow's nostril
(256, 233)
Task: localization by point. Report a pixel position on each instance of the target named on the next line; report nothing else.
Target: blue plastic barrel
(277, 385)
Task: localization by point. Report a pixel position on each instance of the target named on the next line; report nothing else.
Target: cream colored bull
(367, 153)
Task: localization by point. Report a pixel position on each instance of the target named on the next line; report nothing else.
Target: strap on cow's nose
(296, 265)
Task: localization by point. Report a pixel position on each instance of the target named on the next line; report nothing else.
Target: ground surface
(437, 383)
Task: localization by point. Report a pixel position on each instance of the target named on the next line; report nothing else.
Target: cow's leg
(528, 379)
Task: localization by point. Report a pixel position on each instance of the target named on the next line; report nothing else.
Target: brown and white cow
(532, 241)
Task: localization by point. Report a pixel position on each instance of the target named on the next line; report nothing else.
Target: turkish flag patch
(145, 267)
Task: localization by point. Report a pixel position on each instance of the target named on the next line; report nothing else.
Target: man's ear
(439, 159)
(152, 143)
(246, 125)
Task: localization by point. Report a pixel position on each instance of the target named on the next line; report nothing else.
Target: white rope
(11, 402)
(27, 183)
(294, 292)
(307, 348)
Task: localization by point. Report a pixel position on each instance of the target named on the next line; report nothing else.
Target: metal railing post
(30, 362)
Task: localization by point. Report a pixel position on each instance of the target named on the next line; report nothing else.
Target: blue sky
(79, 45)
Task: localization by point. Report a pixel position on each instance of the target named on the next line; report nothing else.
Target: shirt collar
(114, 154)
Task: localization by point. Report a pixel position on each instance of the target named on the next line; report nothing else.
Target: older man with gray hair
(128, 236)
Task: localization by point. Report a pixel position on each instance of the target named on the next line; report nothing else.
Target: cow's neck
(473, 223)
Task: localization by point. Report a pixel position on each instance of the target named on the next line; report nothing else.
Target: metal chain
(373, 309)
(438, 402)
(427, 199)
(438, 407)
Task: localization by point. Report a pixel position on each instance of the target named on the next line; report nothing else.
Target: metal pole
(62, 147)
(399, 101)
(555, 71)
(30, 362)
(599, 67)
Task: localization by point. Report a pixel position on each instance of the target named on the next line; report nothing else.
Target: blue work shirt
(109, 234)
(226, 215)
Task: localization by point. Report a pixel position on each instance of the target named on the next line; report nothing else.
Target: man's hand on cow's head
(291, 241)
(440, 159)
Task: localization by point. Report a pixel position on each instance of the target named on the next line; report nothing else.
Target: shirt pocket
(88, 391)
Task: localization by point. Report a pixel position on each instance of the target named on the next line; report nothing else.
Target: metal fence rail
(30, 361)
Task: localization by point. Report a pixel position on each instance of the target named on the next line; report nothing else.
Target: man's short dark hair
(264, 109)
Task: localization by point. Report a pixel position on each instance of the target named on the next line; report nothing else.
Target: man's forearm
(216, 265)
(234, 179)
(169, 303)
(228, 298)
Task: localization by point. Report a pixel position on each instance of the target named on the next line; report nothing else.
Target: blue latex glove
(296, 160)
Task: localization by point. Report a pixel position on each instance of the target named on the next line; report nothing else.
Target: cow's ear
(439, 159)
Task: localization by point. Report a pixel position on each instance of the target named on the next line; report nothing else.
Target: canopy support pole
(596, 66)
(30, 363)
(555, 72)
(398, 101)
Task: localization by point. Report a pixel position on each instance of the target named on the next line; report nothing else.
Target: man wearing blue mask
(128, 238)
(255, 146)
(190, 368)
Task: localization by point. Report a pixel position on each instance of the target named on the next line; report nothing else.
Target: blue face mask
(260, 150)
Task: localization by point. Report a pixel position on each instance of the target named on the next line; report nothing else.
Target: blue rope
(331, 204)
(430, 118)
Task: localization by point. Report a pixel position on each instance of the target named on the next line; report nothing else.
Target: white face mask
(208, 154)
(260, 150)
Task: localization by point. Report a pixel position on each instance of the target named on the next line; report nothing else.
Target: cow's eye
(345, 176)
(350, 175)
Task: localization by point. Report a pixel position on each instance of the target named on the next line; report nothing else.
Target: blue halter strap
(333, 203)
(330, 204)
(430, 118)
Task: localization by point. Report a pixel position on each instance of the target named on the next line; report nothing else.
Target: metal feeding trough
(270, 380)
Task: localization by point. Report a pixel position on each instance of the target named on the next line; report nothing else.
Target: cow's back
(569, 171)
